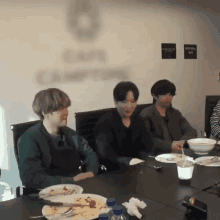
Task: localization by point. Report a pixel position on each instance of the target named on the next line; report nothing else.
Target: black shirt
(65, 159)
(166, 120)
(117, 144)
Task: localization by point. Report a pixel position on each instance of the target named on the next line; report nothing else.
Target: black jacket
(113, 150)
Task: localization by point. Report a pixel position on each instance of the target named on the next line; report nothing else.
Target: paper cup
(185, 169)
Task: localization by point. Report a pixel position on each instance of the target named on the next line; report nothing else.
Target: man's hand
(83, 176)
(178, 145)
(135, 161)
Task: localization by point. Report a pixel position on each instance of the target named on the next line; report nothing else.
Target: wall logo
(83, 22)
(83, 19)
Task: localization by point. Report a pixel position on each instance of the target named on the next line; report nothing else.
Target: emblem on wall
(83, 23)
(83, 19)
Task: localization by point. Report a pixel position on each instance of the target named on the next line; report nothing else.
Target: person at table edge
(120, 134)
(50, 152)
(215, 122)
(169, 129)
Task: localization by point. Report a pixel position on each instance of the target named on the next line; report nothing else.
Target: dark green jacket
(177, 126)
(34, 157)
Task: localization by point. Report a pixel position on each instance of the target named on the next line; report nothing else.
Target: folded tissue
(133, 205)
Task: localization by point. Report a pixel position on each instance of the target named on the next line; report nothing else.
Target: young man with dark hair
(120, 134)
(169, 129)
(50, 152)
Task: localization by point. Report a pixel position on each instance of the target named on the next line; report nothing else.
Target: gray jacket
(177, 126)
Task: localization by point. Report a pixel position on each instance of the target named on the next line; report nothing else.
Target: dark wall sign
(190, 51)
(168, 51)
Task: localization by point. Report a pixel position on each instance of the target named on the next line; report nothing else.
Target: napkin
(132, 207)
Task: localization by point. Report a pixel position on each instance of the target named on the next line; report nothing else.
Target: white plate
(172, 158)
(207, 159)
(59, 189)
(71, 199)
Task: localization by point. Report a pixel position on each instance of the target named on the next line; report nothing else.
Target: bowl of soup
(201, 146)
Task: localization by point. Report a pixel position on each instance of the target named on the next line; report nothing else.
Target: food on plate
(64, 191)
(83, 208)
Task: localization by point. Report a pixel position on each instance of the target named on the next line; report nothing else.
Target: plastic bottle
(8, 194)
(104, 217)
(111, 203)
(118, 213)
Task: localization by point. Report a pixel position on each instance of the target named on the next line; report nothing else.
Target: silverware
(209, 161)
(152, 166)
(44, 195)
(170, 159)
(69, 213)
(155, 167)
(217, 184)
(45, 202)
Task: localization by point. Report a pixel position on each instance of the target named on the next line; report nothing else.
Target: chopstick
(209, 161)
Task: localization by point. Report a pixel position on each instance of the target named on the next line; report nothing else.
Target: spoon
(68, 213)
(152, 166)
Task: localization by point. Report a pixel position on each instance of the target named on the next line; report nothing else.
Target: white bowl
(201, 146)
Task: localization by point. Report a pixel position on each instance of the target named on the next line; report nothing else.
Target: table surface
(162, 191)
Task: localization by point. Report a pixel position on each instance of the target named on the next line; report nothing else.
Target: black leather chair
(86, 121)
(18, 130)
(210, 103)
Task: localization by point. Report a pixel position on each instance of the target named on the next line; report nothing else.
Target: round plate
(172, 158)
(207, 159)
(59, 189)
(71, 199)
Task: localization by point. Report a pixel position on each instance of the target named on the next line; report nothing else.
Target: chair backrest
(18, 130)
(86, 121)
(210, 103)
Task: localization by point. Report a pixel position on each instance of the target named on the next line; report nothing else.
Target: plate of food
(210, 161)
(84, 206)
(172, 158)
(60, 190)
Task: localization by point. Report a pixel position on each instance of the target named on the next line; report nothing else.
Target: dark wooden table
(162, 191)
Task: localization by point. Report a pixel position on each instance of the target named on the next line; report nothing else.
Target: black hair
(162, 87)
(121, 89)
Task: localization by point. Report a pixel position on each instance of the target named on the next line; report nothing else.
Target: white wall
(34, 36)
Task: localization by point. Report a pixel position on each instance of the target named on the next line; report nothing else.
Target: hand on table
(83, 176)
(178, 145)
(135, 161)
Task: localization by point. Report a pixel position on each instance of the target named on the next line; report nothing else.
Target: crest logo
(83, 19)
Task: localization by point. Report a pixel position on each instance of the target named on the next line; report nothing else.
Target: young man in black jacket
(120, 134)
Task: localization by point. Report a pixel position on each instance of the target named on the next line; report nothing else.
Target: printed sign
(190, 51)
(168, 51)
